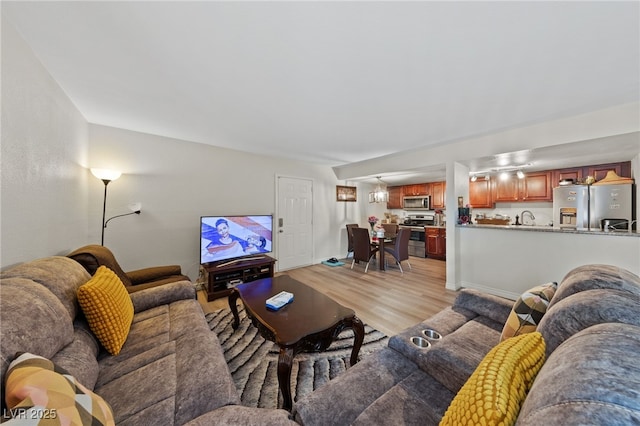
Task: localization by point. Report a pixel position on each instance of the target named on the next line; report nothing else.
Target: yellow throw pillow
(528, 310)
(495, 391)
(108, 308)
(38, 392)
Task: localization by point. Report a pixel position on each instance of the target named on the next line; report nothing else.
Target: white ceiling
(335, 82)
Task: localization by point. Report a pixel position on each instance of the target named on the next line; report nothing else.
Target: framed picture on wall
(346, 193)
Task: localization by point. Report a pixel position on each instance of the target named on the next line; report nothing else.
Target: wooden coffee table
(308, 324)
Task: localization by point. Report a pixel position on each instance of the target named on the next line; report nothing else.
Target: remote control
(279, 300)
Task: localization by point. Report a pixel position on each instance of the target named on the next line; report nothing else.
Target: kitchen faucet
(530, 214)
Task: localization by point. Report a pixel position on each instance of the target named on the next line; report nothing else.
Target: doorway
(294, 222)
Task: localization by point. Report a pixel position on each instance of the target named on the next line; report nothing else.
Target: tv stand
(224, 276)
(231, 262)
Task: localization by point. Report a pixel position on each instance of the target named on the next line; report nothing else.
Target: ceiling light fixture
(474, 178)
(379, 195)
(520, 174)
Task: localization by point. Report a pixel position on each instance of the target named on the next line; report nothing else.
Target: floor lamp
(105, 176)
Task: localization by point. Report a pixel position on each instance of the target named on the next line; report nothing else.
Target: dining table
(380, 243)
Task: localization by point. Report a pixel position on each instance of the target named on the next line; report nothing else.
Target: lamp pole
(104, 208)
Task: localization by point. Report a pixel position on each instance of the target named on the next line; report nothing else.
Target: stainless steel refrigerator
(587, 206)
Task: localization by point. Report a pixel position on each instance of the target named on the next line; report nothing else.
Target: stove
(416, 223)
(419, 220)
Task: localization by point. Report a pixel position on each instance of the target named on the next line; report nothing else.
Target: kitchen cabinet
(436, 243)
(534, 187)
(395, 197)
(417, 189)
(437, 195)
(575, 174)
(480, 194)
(600, 171)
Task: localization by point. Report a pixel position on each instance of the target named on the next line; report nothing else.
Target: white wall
(178, 181)
(508, 262)
(43, 208)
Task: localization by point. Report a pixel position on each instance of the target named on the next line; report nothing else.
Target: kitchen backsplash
(543, 212)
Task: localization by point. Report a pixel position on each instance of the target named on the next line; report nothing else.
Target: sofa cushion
(171, 367)
(60, 275)
(591, 277)
(495, 391)
(419, 399)
(528, 310)
(32, 319)
(356, 389)
(592, 378)
(36, 384)
(584, 309)
(108, 308)
(455, 357)
(79, 356)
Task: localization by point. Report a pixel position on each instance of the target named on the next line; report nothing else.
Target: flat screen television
(227, 238)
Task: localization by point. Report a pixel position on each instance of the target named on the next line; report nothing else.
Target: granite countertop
(545, 228)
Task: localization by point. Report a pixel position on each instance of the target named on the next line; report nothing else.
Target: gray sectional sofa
(591, 374)
(171, 369)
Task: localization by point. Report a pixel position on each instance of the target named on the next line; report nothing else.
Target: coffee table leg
(233, 300)
(358, 332)
(285, 359)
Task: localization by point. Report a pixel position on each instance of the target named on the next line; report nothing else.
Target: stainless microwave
(420, 202)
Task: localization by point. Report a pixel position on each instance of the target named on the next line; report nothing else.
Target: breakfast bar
(492, 254)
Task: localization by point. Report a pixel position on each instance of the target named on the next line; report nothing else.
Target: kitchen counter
(542, 228)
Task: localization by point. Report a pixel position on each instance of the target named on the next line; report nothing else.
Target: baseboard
(496, 292)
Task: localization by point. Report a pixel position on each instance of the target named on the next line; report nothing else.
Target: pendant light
(379, 194)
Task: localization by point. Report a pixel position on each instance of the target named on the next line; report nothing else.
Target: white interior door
(294, 222)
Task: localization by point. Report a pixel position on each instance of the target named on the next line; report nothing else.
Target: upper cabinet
(437, 195)
(534, 187)
(480, 194)
(417, 189)
(578, 174)
(395, 197)
(433, 189)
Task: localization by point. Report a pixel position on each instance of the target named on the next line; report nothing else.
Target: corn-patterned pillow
(495, 391)
(528, 310)
(108, 308)
(38, 392)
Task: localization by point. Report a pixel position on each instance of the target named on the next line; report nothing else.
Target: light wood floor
(386, 300)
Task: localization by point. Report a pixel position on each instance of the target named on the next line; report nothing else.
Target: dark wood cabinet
(436, 243)
(535, 186)
(437, 195)
(600, 171)
(417, 189)
(507, 190)
(574, 174)
(395, 197)
(480, 194)
(222, 277)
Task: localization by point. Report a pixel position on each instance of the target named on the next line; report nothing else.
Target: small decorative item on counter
(464, 215)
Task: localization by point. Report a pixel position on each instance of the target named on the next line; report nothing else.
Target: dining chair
(400, 250)
(362, 248)
(390, 230)
(350, 226)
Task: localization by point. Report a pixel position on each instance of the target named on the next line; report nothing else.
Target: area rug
(253, 360)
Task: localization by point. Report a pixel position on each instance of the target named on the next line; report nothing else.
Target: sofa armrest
(162, 295)
(154, 273)
(484, 304)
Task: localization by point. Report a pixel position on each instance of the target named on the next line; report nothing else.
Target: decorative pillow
(496, 390)
(38, 392)
(528, 310)
(108, 308)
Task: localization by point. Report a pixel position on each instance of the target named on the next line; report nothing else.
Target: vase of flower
(372, 222)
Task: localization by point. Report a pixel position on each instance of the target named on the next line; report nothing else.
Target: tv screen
(230, 237)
